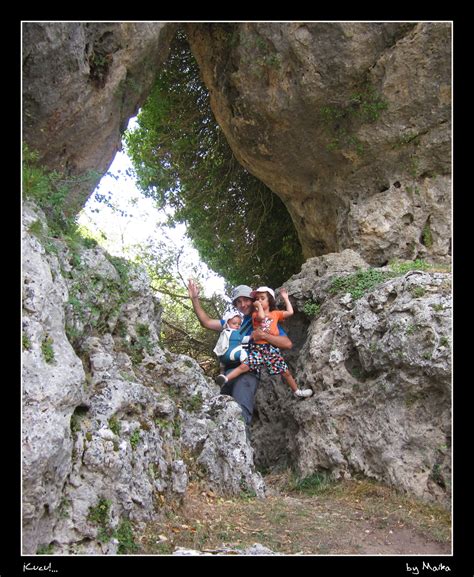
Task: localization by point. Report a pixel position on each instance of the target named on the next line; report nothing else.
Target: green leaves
(182, 160)
(359, 283)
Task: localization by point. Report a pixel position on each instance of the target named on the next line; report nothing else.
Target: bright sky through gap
(139, 223)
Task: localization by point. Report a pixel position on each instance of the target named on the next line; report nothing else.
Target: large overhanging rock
(82, 81)
(349, 123)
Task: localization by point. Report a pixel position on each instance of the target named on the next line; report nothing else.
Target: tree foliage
(181, 158)
(181, 331)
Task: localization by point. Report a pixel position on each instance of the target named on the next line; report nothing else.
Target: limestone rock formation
(380, 369)
(82, 81)
(113, 425)
(348, 123)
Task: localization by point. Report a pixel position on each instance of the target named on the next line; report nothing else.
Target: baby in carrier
(231, 345)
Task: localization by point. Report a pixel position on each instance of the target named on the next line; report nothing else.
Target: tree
(181, 331)
(240, 228)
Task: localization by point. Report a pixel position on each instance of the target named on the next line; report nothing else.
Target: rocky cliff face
(349, 123)
(81, 84)
(380, 368)
(115, 427)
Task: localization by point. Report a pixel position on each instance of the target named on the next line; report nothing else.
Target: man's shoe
(221, 380)
(303, 393)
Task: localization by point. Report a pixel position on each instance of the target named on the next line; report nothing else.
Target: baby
(230, 347)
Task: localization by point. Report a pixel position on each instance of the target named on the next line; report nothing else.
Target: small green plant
(124, 535)
(437, 475)
(427, 236)
(359, 283)
(114, 425)
(99, 515)
(411, 328)
(141, 344)
(194, 403)
(45, 549)
(52, 192)
(47, 349)
(246, 494)
(163, 424)
(313, 484)
(405, 139)
(26, 342)
(368, 104)
(36, 228)
(417, 291)
(99, 64)
(75, 424)
(311, 308)
(176, 428)
(135, 438)
(63, 509)
(342, 120)
(402, 267)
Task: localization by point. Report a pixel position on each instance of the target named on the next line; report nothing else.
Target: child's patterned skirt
(265, 355)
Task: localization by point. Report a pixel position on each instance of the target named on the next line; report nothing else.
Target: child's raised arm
(260, 311)
(289, 308)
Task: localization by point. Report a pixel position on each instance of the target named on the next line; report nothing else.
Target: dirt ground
(356, 517)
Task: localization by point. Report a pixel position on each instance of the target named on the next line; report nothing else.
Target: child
(229, 347)
(266, 317)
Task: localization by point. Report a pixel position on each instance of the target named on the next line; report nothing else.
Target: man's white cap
(241, 291)
(262, 289)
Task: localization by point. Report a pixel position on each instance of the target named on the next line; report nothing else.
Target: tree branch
(183, 332)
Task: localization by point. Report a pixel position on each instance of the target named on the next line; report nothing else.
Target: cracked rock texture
(380, 369)
(113, 425)
(348, 123)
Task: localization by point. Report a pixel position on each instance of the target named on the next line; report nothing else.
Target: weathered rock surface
(82, 81)
(114, 427)
(380, 369)
(349, 123)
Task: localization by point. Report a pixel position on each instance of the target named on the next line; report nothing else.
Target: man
(244, 387)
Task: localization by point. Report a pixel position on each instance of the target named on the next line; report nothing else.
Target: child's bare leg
(222, 379)
(242, 368)
(303, 393)
(290, 380)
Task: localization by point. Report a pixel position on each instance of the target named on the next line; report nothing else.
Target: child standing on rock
(261, 353)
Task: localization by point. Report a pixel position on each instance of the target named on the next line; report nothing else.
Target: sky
(135, 220)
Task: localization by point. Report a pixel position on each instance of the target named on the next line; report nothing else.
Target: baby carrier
(231, 348)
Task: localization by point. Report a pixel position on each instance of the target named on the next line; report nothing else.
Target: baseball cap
(241, 291)
(262, 289)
